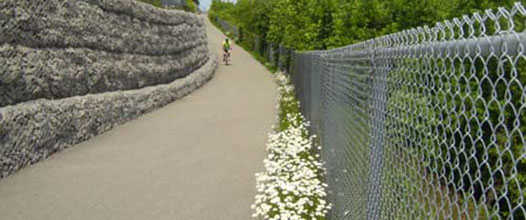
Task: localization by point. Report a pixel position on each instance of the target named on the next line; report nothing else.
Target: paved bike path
(193, 159)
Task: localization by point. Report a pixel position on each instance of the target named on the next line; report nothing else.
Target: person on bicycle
(226, 48)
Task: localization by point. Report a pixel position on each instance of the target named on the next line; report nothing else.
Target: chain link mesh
(170, 3)
(225, 26)
(427, 123)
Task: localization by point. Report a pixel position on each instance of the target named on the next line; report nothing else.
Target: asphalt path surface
(193, 159)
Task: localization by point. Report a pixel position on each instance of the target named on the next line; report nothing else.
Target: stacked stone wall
(70, 70)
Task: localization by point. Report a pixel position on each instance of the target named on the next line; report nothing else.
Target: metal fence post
(378, 104)
(426, 123)
(279, 57)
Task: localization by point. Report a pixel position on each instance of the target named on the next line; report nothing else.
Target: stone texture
(31, 131)
(79, 24)
(56, 49)
(29, 73)
(72, 69)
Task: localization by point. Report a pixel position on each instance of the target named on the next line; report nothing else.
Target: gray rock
(79, 24)
(55, 49)
(70, 70)
(28, 73)
(31, 131)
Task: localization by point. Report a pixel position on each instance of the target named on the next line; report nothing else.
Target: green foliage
(190, 6)
(324, 24)
(156, 3)
(288, 105)
(224, 10)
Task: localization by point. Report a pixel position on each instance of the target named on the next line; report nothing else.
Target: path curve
(193, 159)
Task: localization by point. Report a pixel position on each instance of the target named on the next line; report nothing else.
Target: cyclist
(226, 49)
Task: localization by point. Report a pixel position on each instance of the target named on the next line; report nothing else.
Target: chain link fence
(232, 30)
(275, 54)
(428, 123)
(174, 3)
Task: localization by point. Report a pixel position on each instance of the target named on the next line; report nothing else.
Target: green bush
(324, 24)
(156, 3)
(190, 6)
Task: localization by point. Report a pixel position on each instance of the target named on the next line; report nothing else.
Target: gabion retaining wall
(31, 131)
(70, 70)
(56, 49)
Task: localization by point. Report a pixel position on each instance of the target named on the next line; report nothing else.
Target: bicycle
(226, 56)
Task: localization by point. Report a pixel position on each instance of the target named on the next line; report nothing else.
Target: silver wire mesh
(225, 26)
(271, 53)
(170, 3)
(427, 123)
(284, 58)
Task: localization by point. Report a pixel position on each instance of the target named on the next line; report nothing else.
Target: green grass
(287, 107)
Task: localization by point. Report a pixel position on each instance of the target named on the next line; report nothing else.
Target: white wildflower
(290, 187)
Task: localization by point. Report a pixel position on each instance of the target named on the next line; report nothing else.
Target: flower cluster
(290, 187)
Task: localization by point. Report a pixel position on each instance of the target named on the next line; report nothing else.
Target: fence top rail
(465, 36)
